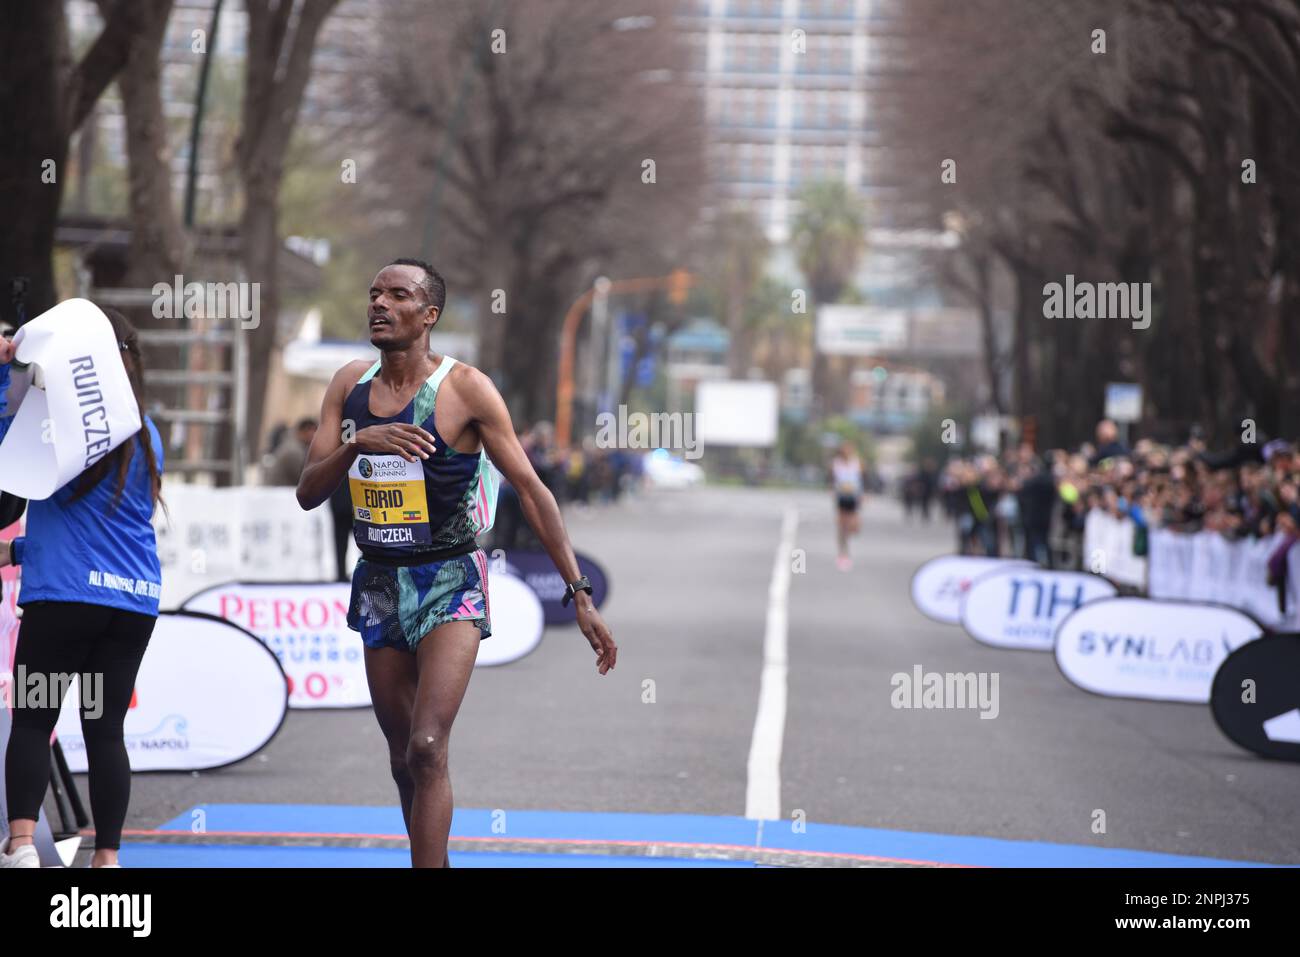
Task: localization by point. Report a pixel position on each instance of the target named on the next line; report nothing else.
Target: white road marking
(763, 788)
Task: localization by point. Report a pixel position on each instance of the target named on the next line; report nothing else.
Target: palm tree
(829, 236)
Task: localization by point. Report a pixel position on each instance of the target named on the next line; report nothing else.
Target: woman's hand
(7, 350)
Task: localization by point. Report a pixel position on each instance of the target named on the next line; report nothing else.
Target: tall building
(796, 91)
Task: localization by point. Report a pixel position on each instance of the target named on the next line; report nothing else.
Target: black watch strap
(571, 589)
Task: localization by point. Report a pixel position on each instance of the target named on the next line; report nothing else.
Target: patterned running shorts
(396, 606)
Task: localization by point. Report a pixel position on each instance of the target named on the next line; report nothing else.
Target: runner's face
(399, 313)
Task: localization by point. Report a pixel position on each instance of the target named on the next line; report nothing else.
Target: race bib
(388, 501)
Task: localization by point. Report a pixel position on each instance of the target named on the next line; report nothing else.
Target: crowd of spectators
(1030, 505)
(584, 475)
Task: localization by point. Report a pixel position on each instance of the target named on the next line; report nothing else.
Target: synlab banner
(938, 585)
(1154, 650)
(1256, 697)
(208, 694)
(1021, 607)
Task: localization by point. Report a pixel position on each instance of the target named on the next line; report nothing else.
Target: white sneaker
(25, 856)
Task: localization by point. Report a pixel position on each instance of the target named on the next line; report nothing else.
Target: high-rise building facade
(797, 91)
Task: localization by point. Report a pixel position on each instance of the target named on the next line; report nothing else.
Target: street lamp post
(678, 284)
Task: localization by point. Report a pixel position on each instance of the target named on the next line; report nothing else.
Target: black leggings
(65, 638)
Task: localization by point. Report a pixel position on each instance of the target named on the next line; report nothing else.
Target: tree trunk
(259, 230)
(35, 132)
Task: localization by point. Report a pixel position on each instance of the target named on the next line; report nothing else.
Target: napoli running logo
(364, 468)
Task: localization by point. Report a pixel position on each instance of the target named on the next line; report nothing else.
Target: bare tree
(45, 95)
(1122, 155)
(558, 141)
(157, 242)
(282, 36)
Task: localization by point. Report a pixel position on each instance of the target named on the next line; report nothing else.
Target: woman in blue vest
(82, 545)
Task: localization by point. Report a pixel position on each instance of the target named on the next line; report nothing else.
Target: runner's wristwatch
(571, 589)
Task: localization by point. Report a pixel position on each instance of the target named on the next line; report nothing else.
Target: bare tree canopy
(1135, 141)
(536, 145)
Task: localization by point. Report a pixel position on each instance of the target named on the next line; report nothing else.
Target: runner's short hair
(434, 286)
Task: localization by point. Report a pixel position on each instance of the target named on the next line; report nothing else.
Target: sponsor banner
(538, 571)
(1208, 567)
(736, 412)
(1255, 698)
(848, 330)
(938, 585)
(216, 535)
(1021, 607)
(208, 694)
(1123, 401)
(306, 625)
(1108, 549)
(74, 404)
(1154, 650)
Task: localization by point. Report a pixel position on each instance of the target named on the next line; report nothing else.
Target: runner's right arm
(329, 457)
(332, 452)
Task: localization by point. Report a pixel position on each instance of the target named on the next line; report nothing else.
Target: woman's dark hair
(118, 461)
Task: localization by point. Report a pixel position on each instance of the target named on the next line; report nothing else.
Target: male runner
(411, 434)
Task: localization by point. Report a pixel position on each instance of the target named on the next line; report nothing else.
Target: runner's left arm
(491, 419)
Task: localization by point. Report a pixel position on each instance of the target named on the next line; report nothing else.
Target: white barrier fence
(1108, 549)
(1203, 567)
(248, 533)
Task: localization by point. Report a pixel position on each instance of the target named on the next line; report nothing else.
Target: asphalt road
(669, 731)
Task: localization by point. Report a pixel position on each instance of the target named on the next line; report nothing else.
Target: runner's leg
(392, 676)
(445, 658)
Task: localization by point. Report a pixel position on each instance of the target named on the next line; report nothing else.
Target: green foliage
(800, 443)
(927, 436)
(829, 236)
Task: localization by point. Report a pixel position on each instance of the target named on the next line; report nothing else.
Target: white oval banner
(1154, 650)
(1021, 607)
(208, 694)
(938, 585)
(517, 620)
(306, 626)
